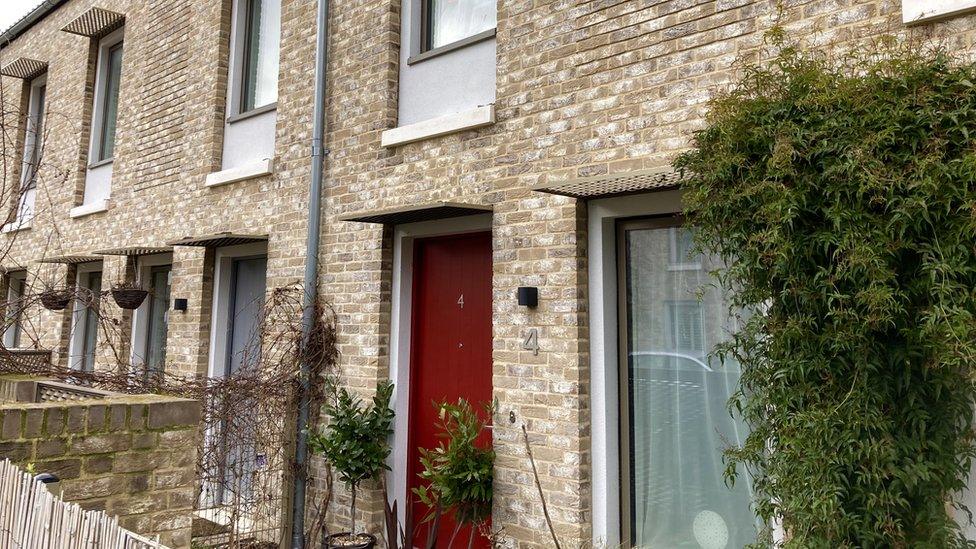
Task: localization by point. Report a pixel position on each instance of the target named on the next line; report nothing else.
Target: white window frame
(401, 316)
(924, 11)
(249, 137)
(98, 106)
(236, 67)
(76, 343)
(98, 179)
(604, 365)
(140, 317)
(10, 335)
(603, 299)
(36, 109)
(676, 263)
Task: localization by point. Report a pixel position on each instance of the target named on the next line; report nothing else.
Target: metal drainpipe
(319, 152)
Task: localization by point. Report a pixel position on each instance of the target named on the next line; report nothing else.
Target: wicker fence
(31, 517)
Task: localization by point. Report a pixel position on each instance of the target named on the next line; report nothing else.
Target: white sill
(442, 125)
(684, 266)
(14, 226)
(240, 173)
(88, 209)
(924, 11)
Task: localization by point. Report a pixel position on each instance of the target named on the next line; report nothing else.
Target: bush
(459, 470)
(355, 440)
(843, 195)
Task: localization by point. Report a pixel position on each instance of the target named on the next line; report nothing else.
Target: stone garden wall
(133, 456)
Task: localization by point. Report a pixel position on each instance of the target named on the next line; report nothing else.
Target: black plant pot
(341, 541)
(55, 300)
(129, 298)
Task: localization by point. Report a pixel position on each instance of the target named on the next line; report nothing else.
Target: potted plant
(459, 471)
(355, 444)
(128, 295)
(55, 299)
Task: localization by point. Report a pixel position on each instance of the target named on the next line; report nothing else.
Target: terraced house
(500, 220)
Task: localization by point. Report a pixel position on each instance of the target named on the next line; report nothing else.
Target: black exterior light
(46, 478)
(528, 296)
(179, 304)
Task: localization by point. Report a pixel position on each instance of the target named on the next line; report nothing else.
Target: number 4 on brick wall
(531, 342)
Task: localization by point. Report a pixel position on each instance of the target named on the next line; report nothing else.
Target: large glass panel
(110, 105)
(158, 318)
(248, 286)
(90, 341)
(452, 20)
(15, 304)
(262, 34)
(677, 422)
(35, 138)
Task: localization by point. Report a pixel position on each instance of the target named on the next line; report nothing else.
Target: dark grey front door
(248, 284)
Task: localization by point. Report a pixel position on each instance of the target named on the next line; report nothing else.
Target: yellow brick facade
(584, 88)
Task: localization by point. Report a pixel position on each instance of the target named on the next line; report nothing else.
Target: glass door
(159, 292)
(239, 432)
(674, 420)
(93, 285)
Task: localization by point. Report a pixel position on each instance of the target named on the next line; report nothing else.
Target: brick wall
(584, 87)
(132, 456)
(170, 125)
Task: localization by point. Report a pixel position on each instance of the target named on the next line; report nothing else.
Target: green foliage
(458, 470)
(355, 440)
(843, 193)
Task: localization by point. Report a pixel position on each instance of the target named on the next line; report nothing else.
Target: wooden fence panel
(31, 517)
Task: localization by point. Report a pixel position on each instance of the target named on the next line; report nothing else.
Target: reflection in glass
(110, 107)
(262, 39)
(158, 318)
(90, 322)
(677, 421)
(452, 20)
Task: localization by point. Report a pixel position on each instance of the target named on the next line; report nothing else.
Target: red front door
(450, 354)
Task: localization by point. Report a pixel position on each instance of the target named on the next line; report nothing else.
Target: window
(107, 106)
(674, 420)
(33, 151)
(682, 249)
(159, 290)
(448, 21)
(685, 326)
(84, 329)
(16, 287)
(34, 138)
(261, 32)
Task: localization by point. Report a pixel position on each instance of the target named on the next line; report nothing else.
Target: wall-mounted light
(180, 304)
(528, 296)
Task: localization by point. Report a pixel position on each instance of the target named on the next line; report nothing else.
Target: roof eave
(27, 21)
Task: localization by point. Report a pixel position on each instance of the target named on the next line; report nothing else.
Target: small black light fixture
(46, 478)
(180, 304)
(528, 296)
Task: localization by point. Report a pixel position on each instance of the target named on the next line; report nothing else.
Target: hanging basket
(129, 298)
(56, 300)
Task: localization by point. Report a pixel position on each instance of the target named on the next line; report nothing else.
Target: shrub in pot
(355, 445)
(459, 471)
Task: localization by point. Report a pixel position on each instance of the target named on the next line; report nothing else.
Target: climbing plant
(842, 193)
